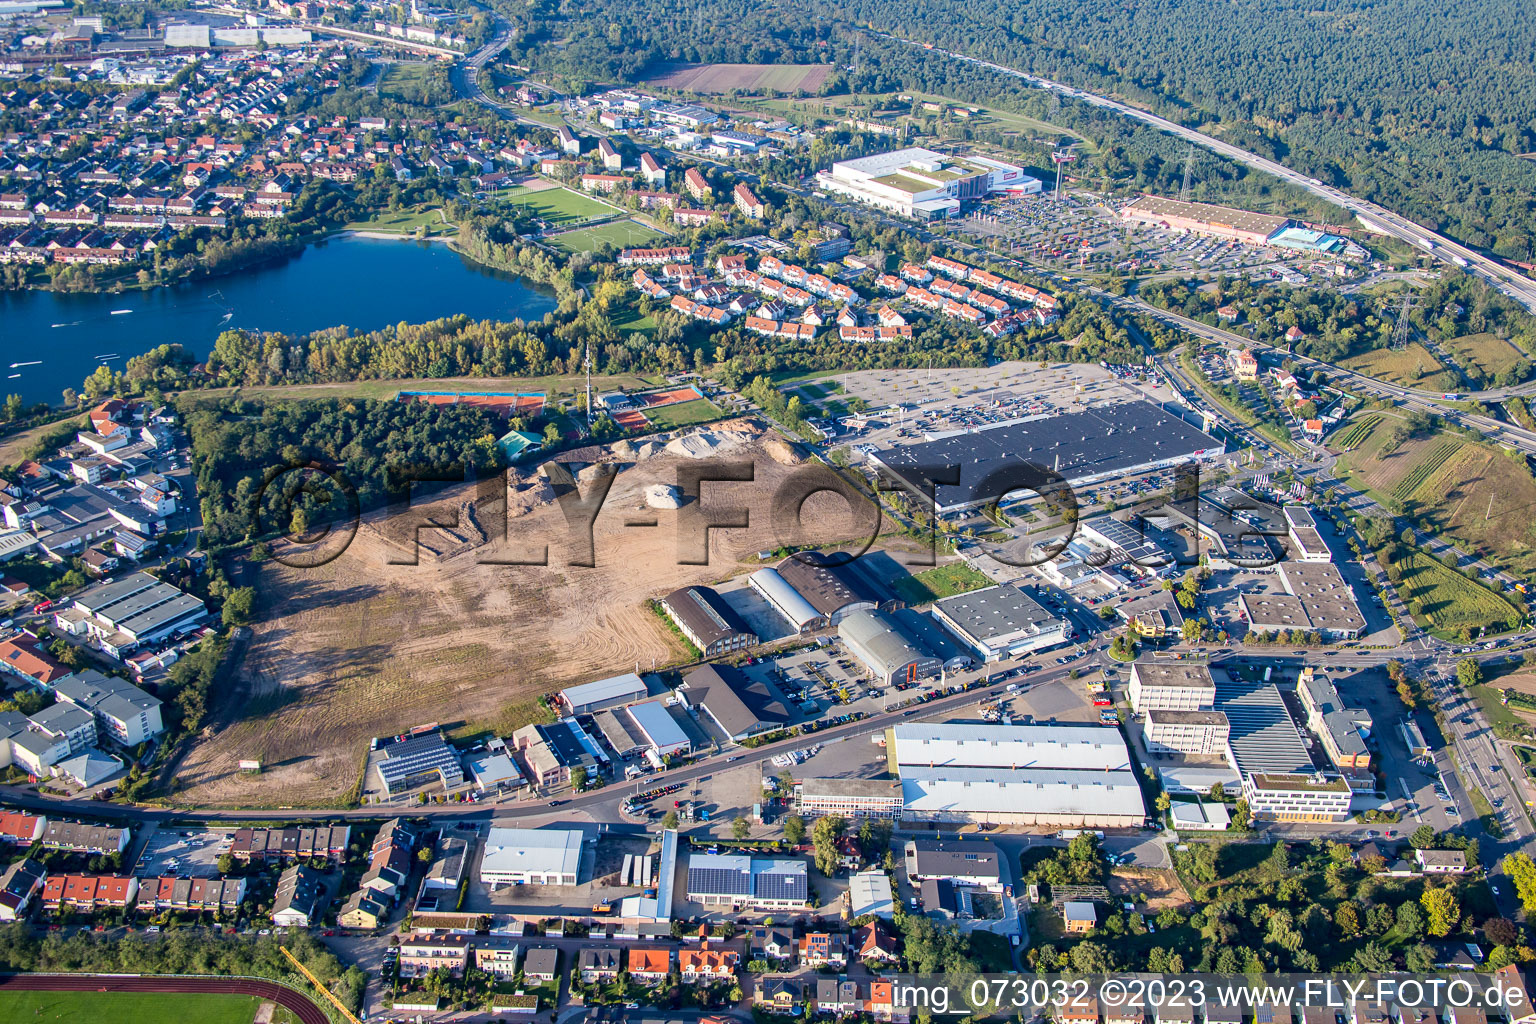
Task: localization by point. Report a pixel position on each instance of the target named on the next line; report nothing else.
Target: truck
(1459, 261)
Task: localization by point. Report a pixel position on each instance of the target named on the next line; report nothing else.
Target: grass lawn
(631, 320)
(405, 222)
(558, 205)
(1506, 724)
(1448, 600)
(621, 234)
(669, 417)
(132, 1007)
(1413, 366)
(1488, 354)
(932, 584)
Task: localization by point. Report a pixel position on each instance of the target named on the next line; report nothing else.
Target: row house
(960, 311)
(89, 892)
(654, 257)
(648, 286)
(951, 290)
(949, 268)
(924, 298)
(988, 303)
(212, 895)
(699, 311)
(707, 965)
(915, 274)
(422, 954)
(780, 329)
(269, 845)
(890, 284)
(865, 335)
(649, 966)
(692, 218)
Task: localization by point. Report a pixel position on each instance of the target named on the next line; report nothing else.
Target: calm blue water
(362, 283)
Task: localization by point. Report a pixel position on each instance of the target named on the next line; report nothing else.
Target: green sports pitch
(558, 205)
(132, 1008)
(621, 234)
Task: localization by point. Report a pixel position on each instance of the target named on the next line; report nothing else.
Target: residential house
(88, 893)
(780, 995)
(874, 943)
(1441, 862)
(823, 949)
(422, 954)
(498, 955)
(301, 892)
(1080, 916)
(599, 964)
(20, 829)
(18, 885)
(1083, 1010)
(364, 909)
(541, 964)
(765, 943)
(707, 965)
(650, 966)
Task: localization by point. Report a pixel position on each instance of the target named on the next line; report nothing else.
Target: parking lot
(186, 853)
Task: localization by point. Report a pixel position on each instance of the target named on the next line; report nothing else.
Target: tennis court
(502, 403)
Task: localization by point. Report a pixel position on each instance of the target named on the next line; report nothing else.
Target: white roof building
(869, 892)
(786, 600)
(531, 856)
(1001, 622)
(604, 693)
(1083, 747)
(1031, 797)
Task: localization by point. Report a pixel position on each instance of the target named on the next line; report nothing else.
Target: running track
(300, 1005)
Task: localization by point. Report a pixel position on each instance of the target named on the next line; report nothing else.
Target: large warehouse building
(735, 703)
(921, 183)
(1098, 443)
(1204, 219)
(1001, 622)
(1034, 775)
(531, 856)
(708, 622)
(889, 652)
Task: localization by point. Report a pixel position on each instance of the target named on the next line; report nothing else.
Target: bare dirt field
(1159, 886)
(723, 78)
(361, 647)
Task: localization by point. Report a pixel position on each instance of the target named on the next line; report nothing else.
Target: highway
(1373, 217)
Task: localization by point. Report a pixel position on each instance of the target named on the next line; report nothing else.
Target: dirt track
(361, 648)
(299, 1004)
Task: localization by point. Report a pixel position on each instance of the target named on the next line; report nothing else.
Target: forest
(251, 459)
(1425, 108)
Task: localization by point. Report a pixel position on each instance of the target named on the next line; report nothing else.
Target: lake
(363, 283)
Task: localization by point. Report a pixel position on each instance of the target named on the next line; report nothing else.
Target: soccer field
(132, 1008)
(558, 205)
(621, 234)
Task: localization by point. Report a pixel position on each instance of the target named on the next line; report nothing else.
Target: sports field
(558, 206)
(668, 417)
(722, 78)
(621, 234)
(132, 1008)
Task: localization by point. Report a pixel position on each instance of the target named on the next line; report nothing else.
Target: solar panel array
(780, 880)
(720, 876)
(1128, 539)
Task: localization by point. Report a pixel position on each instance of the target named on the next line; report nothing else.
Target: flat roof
(1041, 791)
(616, 688)
(863, 788)
(1093, 443)
(1185, 675)
(1261, 736)
(996, 613)
(658, 724)
(1186, 717)
(534, 850)
(1298, 781)
(1327, 597)
(1224, 216)
(1095, 747)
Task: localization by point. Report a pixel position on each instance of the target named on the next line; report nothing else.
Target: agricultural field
(670, 417)
(1488, 354)
(367, 644)
(945, 581)
(558, 206)
(133, 1007)
(1473, 495)
(1413, 366)
(1444, 601)
(1352, 435)
(621, 234)
(862, 104)
(714, 79)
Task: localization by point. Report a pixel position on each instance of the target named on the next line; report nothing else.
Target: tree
(669, 820)
(741, 828)
(239, 606)
(1410, 919)
(579, 778)
(824, 836)
(1443, 910)
(1501, 931)
(794, 829)
(1423, 838)
(1469, 672)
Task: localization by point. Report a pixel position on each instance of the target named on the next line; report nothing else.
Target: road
(1376, 218)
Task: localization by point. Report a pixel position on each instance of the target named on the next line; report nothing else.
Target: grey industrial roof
(1079, 445)
(825, 581)
(995, 612)
(1090, 747)
(1261, 738)
(737, 875)
(736, 701)
(619, 689)
(657, 723)
(850, 787)
(1186, 717)
(1054, 791)
(1190, 674)
(883, 644)
(138, 604)
(1323, 592)
(784, 598)
(1128, 539)
(962, 858)
(705, 614)
(1242, 220)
